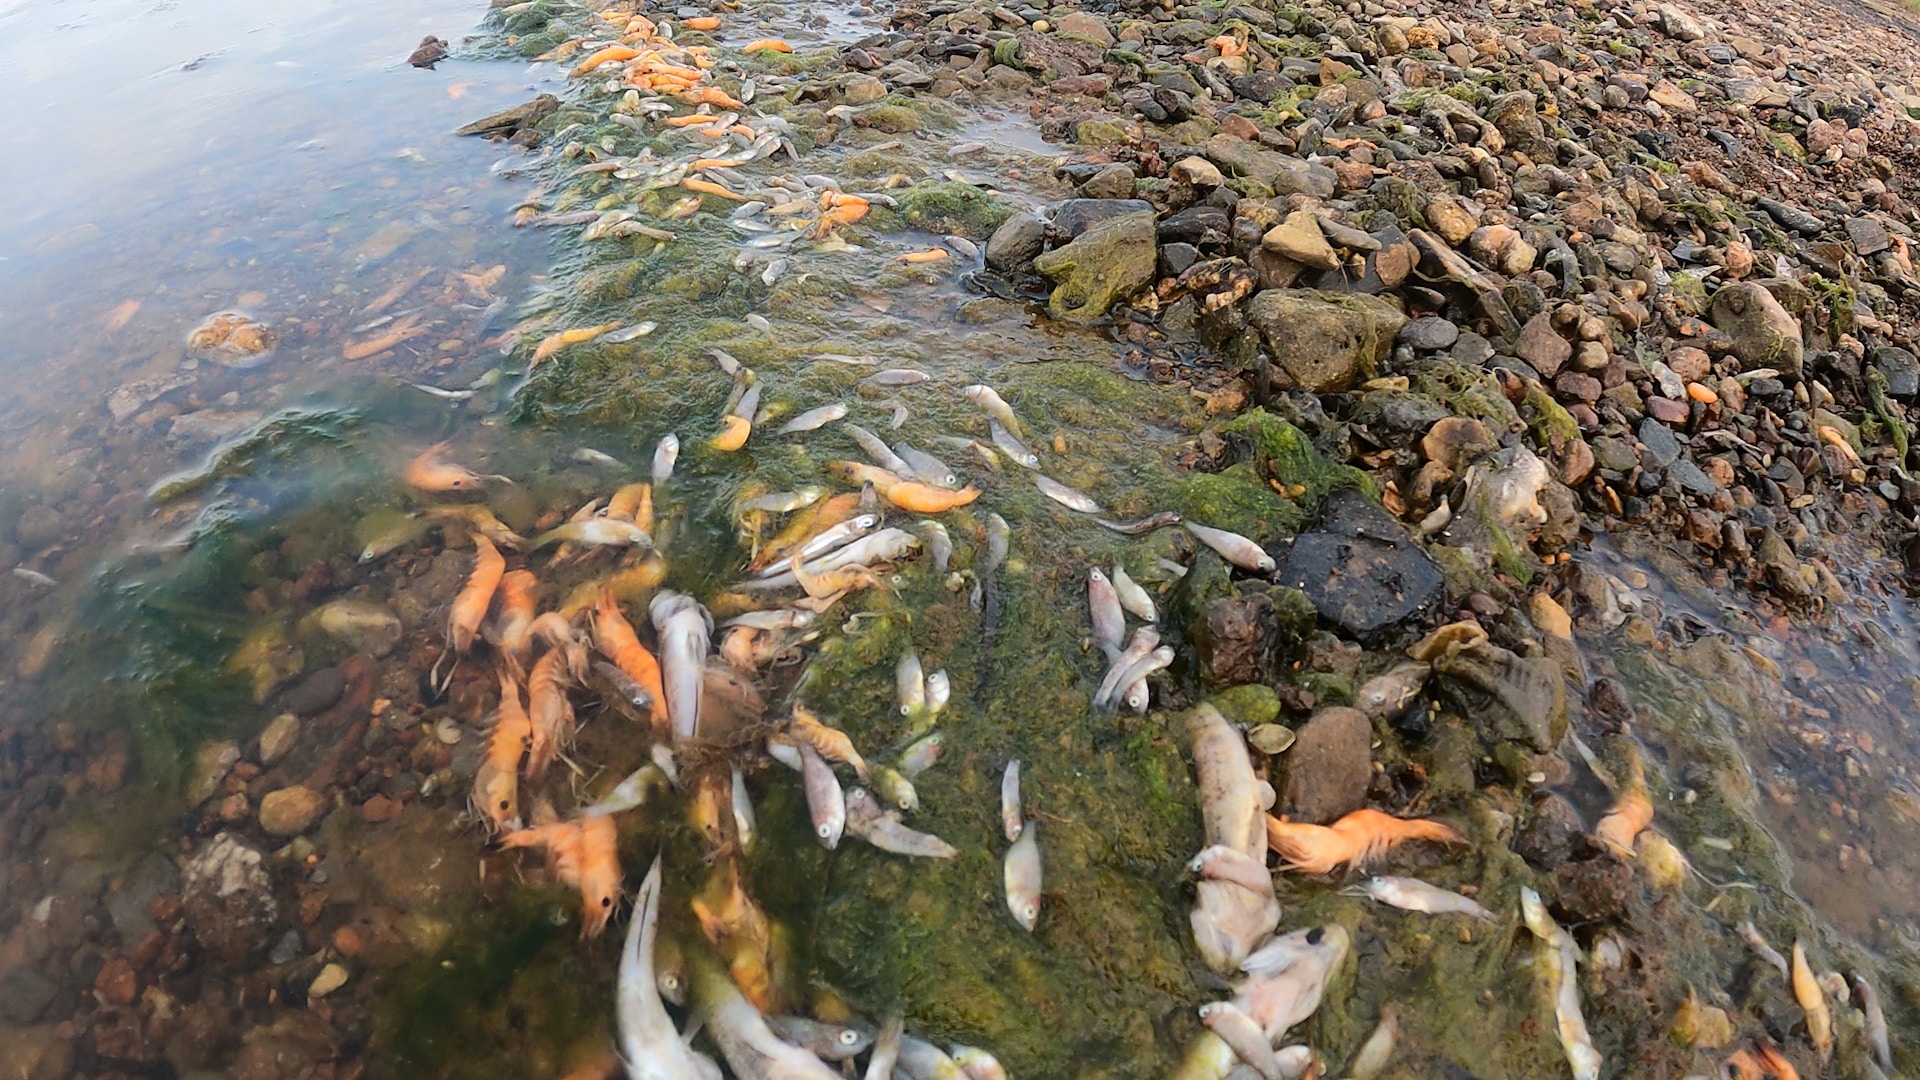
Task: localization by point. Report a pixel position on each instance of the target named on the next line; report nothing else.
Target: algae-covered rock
(948, 206)
(1101, 267)
(1249, 705)
(1322, 341)
(1508, 697)
(1763, 333)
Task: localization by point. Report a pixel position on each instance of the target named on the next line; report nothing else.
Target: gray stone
(25, 994)
(1617, 456)
(1101, 267)
(278, 737)
(1324, 342)
(1359, 568)
(1430, 333)
(1869, 236)
(127, 902)
(1901, 368)
(1763, 334)
(1507, 697)
(1329, 767)
(212, 761)
(1660, 442)
(316, 693)
(1691, 479)
(1679, 25)
(1015, 243)
(1076, 216)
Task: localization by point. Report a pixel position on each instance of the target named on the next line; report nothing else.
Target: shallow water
(290, 165)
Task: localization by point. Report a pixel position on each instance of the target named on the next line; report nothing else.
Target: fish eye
(1314, 935)
(825, 831)
(848, 1036)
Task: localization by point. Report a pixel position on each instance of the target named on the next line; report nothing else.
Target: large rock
(292, 811)
(1763, 334)
(1324, 342)
(1283, 173)
(1075, 216)
(1507, 697)
(1359, 568)
(1235, 640)
(1101, 267)
(1299, 238)
(1329, 766)
(228, 901)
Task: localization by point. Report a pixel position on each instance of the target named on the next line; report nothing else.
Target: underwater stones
(1329, 766)
(1099, 268)
(1508, 697)
(278, 737)
(407, 863)
(1763, 333)
(298, 1045)
(227, 899)
(1592, 889)
(1324, 342)
(360, 625)
(1235, 639)
(1359, 568)
(316, 693)
(231, 339)
(212, 761)
(25, 994)
(1548, 837)
(291, 811)
(37, 527)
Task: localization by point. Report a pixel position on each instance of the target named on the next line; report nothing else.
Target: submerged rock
(1508, 697)
(1328, 767)
(1359, 568)
(1101, 267)
(227, 899)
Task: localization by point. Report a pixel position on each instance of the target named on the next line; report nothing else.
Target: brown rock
(379, 809)
(1239, 127)
(1236, 639)
(1329, 766)
(1593, 889)
(1456, 441)
(291, 811)
(116, 983)
(1578, 464)
(1579, 387)
(1691, 364)
(1667, 410)
(1450, 219)
(1091, 85)
(1541, 346)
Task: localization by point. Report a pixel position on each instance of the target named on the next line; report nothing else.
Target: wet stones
(1101, 267)
(292, 811)
(316, 693)
(1593, 889)
(518, 124)
(212, 762)
(25, 994)
(227, 900)
(1113, 182)
(1508, 697)
(1014, 245)
(1359, 568)
(37, 527)
(1323, 342)
(1329, 766)
(1763, 333)
(1552, 829)
(278, 737)
(1236, 638)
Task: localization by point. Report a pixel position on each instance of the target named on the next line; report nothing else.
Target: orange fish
(805, 525)
(708, 187)
(927, 499)
(766, 45)
(701, 22)
(614, 636)
(605, 56)
(1354, 840)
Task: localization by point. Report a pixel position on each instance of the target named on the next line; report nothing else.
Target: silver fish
(748, 403)
(774, 272)
(728, 365)
(1244, 1035)
(1389, 694)
(1145, 638)
(684, 630)
(826, 803)
(629, 689)
(1372, 1057)
(999, 539)
(742, 1034)
(883, 829)
(909, 683)
(783, 502)
(648, 1039)
(828, 539)
(743, 811)
(35, 577)
(632, 791)
(844, 358)
(897, 377)
(1011, 821)
(587, 455)
(939, 544)
(876, 448)
(1234, 548)
(977, 1063)
(1011, 446)
(776, 619)
(927, 468)
(833, 1042)
(632, 333)
(886, 1049)
(1876, 1021)
(1064, 495)
(1135, 677)
(1109, 622)
(990, 402)
(1132, 597)
(939, 691)
(924, 1061)
(664, 455)
(899, 416)
(759, 322)
(1022, 872)
(1412, 894)
(1141, 527)
(921, 755)
(962, 246)
(1751, 935)
(813, 419)
(887, 545)
(896, 789)
(450, 395)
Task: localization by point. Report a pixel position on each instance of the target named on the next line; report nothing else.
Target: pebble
(292, 810)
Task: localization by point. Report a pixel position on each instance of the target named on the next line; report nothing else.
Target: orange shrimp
(557, 631)
(927, 499)
(1617, 831)
(513, 626)
(584, 853)
(1776, 1063)
(496, 788)
(739, 929)
(614, 636)
(428, 473)
(550, 713)
(605, 56)
(1356, 840)
(829, 742)
(470, 606)
(627, 502)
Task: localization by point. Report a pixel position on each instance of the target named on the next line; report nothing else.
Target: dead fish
(759, 322)
(1560, 956)
(1022, 874)
(728, 365)
(826, 803)
(1751, 935)
(1145, 638)
(833, 1042)
(1813, 1001)
(1010, 445)
(939, 544)
(664, 455)
(1412, 894)
(1132, 597)
(1244, 1035)
(977, 1063)
(990, 402)
(1011, 821)
(1109, 622)
(595, 532)
(909, 684)
(1145, 525)
(926, 467)
(1389, 693)
(965, 247)
(1876, 1021)
(1372, 1057)
(629, 688)
(587, 455)
(776, 619)
(897, 377)
(1134, 678)
(774, 272)
(883, 829)
(1234, 548)
(895, 789)
(844, 358)
(35, 577)
(898, 418)
(921, 755)
(449, 395)
(632, 333)
(1066, 496)
(782, 502)
(939, 691)
(813, 419)
(742, 804)
(886, 1049)
(877, 449)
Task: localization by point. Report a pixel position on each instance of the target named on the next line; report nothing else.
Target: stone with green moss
(1321, 341)
(1100, 268)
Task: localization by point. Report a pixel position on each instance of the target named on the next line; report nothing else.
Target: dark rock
(1659, 441)
(1692, 480)
(1260, 86)
(315, 694)
(37, 527)
(511, 123)
(1397, 418)
(25, 994)
(1359, 568)
(1015, 244)
(228, 900)
(1869, 236)
(1429, 334)
(1329, 766)
(431, 51)
(1176, 258)
(1509, 698)
(1790, 217)
(1592, 890)
(1901, 368)
(1076, 216)
(1323, 342)
(1553, 828)
(1197, 225)
(1235, 640)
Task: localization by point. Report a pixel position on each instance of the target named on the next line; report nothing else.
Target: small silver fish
(1011, 821)
(1244, 1035)
(1412, 894)
(450, 395)
(876, 448)
(587, 455)
(897, 377)
(832, 1042)
(895, 788)
(625, 685)
(664, 455)
(927, 468)
(826, 803)
(883, 829)
(1234, 548)
(844, 358)
(35, 577)
(759, 322)
(1022, 874)
(921, 755)
(977, 1063)
(1067, 497)
(1143, 526)
(886, 1049)
(1372, 1057)
(910, 685)
(990, 402)
(1751, 935)
(1144, 640)
(1011, 446)
(1876, 1021)
(939, 544)
(1109, 622)
(1132, 597)
(782, 502)
(899, 417)
(962, 246)
(813, 418)
(774, 272)
(632, 333)
(743, 811)
(939, 692)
